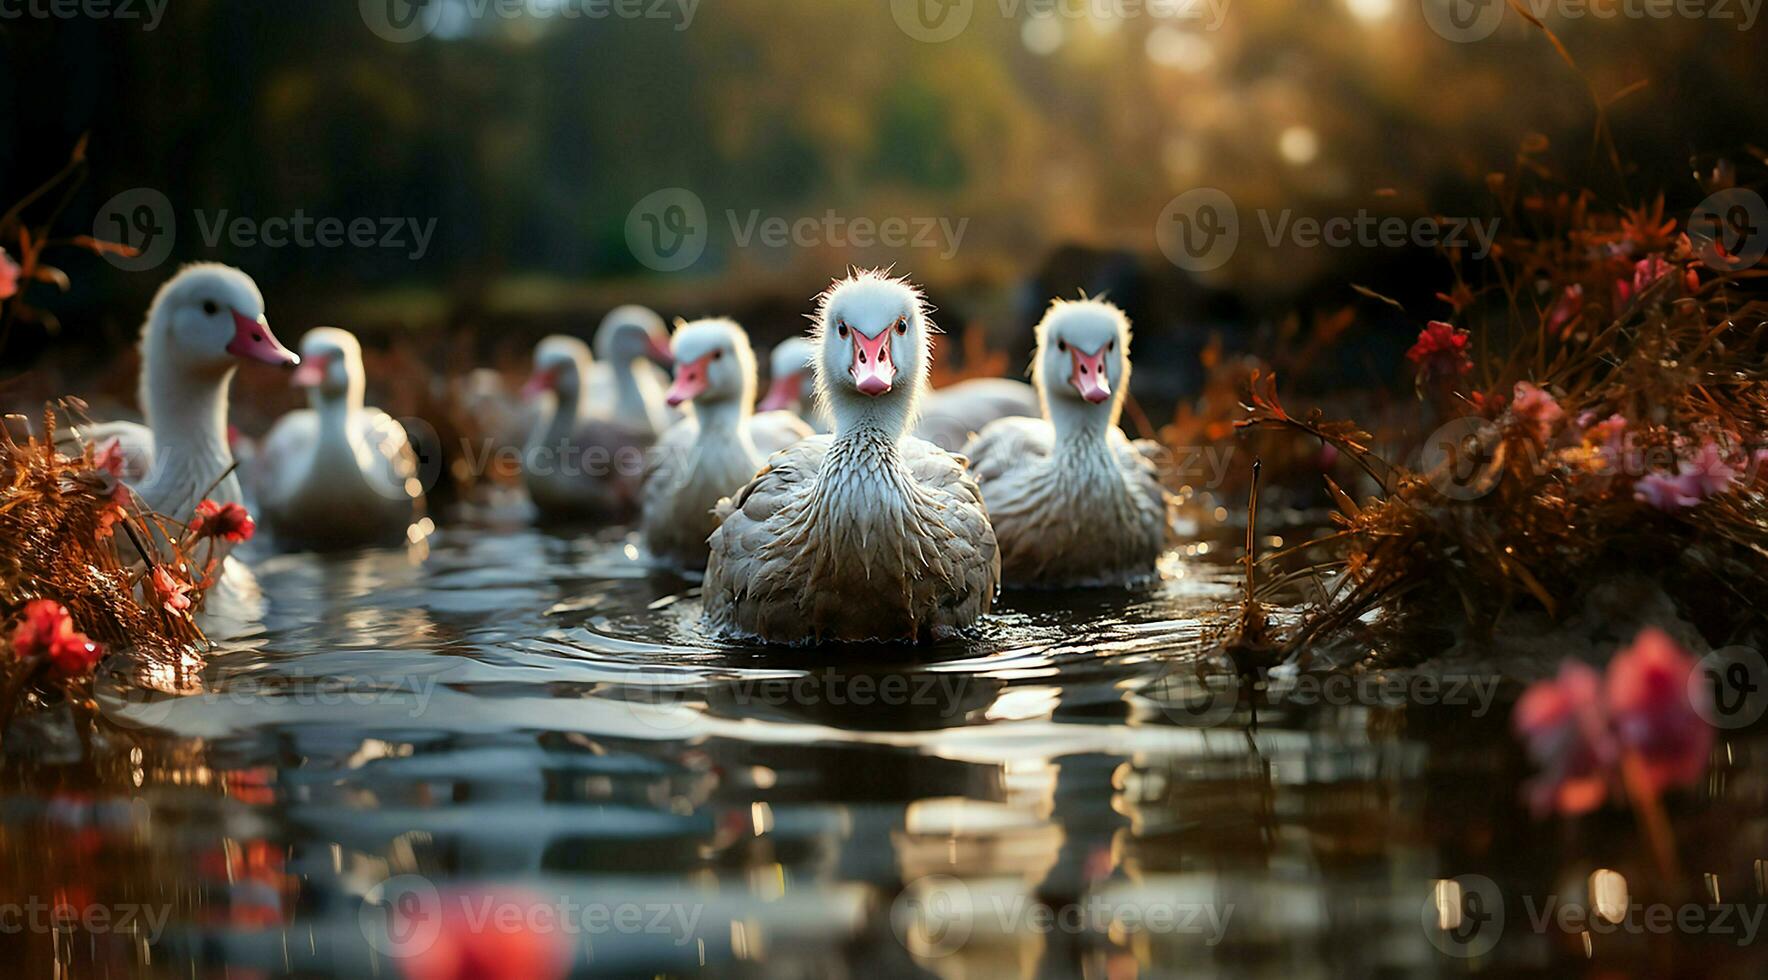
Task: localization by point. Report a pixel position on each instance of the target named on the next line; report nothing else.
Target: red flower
(1582, 730)
(171, 590)
(1656, 718)
(46, 632)
(479, 939)
(230, 522)
(8, 276)
(1441, 351)
(1568, 736)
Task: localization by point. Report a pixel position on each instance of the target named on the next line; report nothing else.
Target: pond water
(531, 722)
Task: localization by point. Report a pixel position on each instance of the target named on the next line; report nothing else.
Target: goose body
(339, 474)
(949, 416)
(715, 451)
(958, 411)
(1074, 502)
(575, 466)
(202, 323)
(869, 533)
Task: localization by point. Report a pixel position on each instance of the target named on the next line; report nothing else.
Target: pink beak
(783, 393)
(541, 382)
(659, 350)
(311, 373)
(1089, 377)
(690, 381)
(253, 341)
(873, 372)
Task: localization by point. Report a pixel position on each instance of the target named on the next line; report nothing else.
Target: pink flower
(1536, 410)
(1441, 351)
(1567, 734)
(1655, 716)
(1663, 492)
(111, 461)
(230, 522)
(46, 631)
(489, 935)
(1704, 476)
(9, 273)
(1583, 730)
(1566, 309)
(171, 590)
(1608, 436)
(1645, 272)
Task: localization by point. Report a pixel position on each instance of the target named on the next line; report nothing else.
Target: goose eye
(902, 326)
(1062, 345)
(718, 355)
(1109, 344)
(841, 329)
(209, 308)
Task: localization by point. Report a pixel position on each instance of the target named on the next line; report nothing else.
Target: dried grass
(1611, 313)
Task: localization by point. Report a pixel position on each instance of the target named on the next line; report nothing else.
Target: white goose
(339, 474)
(625, 382)
(791, 373)
(714, 452)
(202, 323)
(575, 466)
(869, 533)
(1074, 502)
(949, 415)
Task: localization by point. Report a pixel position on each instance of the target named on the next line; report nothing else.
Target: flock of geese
(852, 503)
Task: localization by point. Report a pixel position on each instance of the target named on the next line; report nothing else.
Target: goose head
(331, 366)
(714, 364)
(873, 339)
(561, 364)
(207, 318)
(628, 333)
(1083, 362)
(790, 365)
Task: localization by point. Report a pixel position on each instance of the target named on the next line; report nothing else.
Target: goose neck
(187, 411)
(636, 398)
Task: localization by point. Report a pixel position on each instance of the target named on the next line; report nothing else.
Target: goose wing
(136, 441)
(1008, 444)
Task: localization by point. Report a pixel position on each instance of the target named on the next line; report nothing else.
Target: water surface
(538, 718)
